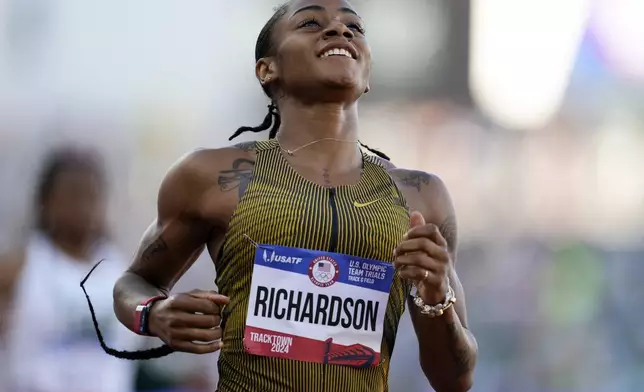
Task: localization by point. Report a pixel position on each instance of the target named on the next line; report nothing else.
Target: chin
(337, 87)
(342, 83)
(341, 90)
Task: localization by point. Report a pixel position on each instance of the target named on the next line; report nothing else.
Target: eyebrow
(320, 8)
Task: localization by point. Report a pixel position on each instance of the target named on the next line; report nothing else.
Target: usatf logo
(275, 258)
(323, 271)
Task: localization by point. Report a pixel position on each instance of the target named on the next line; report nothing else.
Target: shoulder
(206, 176)
(206, 163)
(425, 192)
(203, 166)
(424, 183)
(428, 185)
(428, 194)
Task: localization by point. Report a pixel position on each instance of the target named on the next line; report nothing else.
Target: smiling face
(320, 52)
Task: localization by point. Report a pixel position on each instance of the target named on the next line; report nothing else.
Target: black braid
(272, 118)
(264, 48)
(154, 353)
(378, 153)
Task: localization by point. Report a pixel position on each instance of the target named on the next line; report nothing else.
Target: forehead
(328, 5)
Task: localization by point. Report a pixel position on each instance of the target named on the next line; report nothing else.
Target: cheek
(294, 62)
(367, 66)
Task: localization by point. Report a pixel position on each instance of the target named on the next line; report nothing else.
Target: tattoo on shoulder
(157, 247)
(415, 179)
(246, 146)
(238, 177)
(449, 232)
(463, 359)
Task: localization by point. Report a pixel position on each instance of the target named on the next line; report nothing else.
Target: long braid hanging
(272, 118)
(154, 353)
(277, 121)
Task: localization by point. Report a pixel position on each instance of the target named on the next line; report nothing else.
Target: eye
(356, 27)
(311, 22)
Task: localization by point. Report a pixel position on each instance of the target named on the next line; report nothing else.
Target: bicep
(178, 236)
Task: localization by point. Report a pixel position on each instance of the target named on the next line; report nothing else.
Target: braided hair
(265, 48)
(153, 353)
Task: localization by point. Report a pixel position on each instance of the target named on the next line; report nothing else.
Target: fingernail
(221, 344)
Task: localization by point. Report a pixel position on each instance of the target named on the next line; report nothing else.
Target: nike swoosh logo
(360, 205)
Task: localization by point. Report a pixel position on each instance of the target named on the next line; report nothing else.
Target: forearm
(130, 291)
(448, 350)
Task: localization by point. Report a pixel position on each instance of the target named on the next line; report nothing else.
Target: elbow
(117, 299)
(443, 382)
(123, 302)
(463, 384)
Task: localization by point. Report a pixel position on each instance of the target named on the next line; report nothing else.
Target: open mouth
(337, 52)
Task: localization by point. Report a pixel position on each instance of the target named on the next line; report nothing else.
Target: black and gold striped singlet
(280, 207)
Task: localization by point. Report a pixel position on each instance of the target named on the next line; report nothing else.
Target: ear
(266, 71)
(367, 89)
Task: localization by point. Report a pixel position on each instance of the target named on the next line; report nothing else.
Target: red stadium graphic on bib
(317, 306)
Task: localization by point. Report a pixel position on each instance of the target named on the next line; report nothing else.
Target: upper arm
(428, 194)
(443, 215)
(182, 228)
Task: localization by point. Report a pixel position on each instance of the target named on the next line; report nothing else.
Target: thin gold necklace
(293, 151)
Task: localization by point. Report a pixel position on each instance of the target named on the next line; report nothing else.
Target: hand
(423, 258)
(189, 322)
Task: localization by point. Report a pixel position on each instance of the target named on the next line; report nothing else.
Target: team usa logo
(323, 271)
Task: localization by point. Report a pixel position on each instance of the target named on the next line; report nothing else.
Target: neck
(302, 124)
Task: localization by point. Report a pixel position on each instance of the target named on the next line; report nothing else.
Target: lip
(340, 45)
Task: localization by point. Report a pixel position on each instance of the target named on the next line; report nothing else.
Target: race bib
(317, 306)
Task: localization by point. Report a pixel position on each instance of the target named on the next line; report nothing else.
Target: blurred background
(531, 111)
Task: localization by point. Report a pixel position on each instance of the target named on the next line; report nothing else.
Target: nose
(337, 28)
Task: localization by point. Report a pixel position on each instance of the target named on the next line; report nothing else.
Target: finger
(418, 261)
(196, 334)
(427, 230)
(416, 274)
(195, 348)
(195, 320)
(416, 219)
(211, 296)
(430, 231)
(420, 245)
(192, 304)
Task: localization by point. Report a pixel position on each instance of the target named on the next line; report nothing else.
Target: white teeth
(337, 52)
